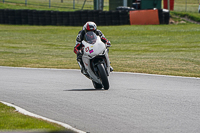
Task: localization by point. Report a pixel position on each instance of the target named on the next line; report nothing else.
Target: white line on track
(145, 74)
(25, 112)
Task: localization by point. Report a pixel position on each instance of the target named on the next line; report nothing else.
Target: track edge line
(25, 112)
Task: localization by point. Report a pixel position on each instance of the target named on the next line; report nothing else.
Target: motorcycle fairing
(92, 51)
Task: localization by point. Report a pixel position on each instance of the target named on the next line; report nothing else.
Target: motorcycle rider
(89, 26)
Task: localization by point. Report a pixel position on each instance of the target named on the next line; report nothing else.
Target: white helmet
(90, 26)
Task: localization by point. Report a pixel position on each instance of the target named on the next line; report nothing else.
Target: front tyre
(103, 76)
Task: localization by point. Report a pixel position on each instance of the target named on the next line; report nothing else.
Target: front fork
(95, 67)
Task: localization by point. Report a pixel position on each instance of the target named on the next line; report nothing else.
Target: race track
(135, 103)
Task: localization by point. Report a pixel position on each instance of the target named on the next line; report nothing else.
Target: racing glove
(108, 44)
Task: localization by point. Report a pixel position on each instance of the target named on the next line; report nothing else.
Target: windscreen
(90, 37)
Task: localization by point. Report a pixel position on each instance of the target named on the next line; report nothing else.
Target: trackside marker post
(199, 7)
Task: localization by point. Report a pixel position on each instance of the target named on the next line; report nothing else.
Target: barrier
(144, 17)
(77, 18)
(164, 16)
(165, 3)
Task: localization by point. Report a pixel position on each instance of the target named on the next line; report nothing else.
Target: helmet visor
(90, 37)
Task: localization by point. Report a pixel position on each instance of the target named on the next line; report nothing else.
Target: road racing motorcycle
(95, 60)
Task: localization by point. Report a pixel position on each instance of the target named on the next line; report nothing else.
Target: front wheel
(103, 76)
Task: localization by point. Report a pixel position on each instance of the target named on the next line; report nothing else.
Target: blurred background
(105, 5)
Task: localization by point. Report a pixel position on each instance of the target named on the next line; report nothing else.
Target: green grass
(169, 49)
(186, 5)
(190, 15)
(42, 6)
(67, 5)
(155, 49)
(12, 120)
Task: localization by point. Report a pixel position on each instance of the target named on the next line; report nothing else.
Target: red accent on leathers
(105, 40)
(76, 48)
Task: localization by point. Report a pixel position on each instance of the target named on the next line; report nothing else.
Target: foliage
(192, 16)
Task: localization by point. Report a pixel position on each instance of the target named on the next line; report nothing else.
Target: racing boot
(83, 70)
(82, 67)
(111, 68)
(80, 62)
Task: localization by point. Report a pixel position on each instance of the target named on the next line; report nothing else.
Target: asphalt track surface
(135, 103)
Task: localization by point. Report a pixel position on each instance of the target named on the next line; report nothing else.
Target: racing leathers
(80, 38)
(79, 45)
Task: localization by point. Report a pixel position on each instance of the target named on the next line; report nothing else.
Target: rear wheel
(103, 76)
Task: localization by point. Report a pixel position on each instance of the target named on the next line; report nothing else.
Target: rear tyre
(96, 85)
(103, 76)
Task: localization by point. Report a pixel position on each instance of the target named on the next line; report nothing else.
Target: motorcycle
(95, 60)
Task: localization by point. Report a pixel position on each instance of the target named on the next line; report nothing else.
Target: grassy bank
(192, 16)
(67, 5)
(12, 120)
(157, 49)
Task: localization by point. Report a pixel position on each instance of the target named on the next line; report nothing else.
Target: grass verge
(192, 16)
(55, 5)
(12, 120)
(155, 49)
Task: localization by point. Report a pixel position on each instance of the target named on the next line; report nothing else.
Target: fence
(186, 5)
(73, 5)
(58, 4)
